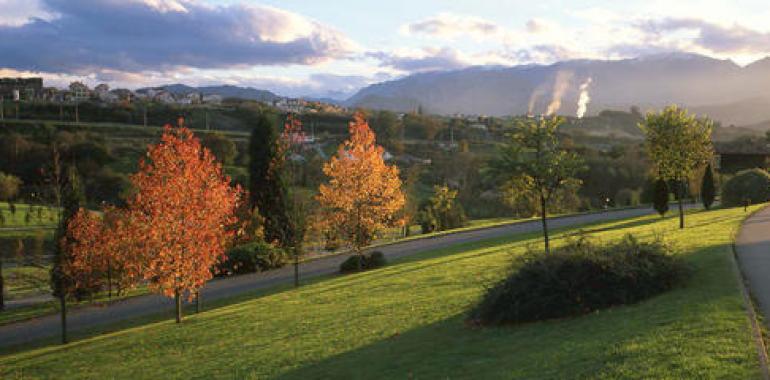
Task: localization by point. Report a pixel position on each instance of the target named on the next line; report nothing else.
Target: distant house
(80, 91)
(731, 160)
(212, 99)
(21, 88)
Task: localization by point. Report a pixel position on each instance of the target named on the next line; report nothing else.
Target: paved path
(753, 248)
(93, 316)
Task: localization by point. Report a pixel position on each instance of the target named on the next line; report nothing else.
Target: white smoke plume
(583, 99)
(536, 94)
(560, 85)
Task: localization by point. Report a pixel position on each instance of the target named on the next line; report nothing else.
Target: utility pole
(77, 112)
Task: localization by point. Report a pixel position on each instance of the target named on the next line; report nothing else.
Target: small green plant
(372, 260)
(252, 257)
(579, 278)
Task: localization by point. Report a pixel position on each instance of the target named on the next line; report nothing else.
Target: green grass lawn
(407, 319)
(26, 215)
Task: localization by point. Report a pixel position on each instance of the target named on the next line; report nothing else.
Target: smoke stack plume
(533, 99)
(560, 85)
(583, 99)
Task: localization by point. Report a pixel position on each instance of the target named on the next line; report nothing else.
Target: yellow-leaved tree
(363, 195)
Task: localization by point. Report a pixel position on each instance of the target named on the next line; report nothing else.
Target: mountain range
(717, 88)
(720, 89)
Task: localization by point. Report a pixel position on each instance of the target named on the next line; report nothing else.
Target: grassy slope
(408, 318)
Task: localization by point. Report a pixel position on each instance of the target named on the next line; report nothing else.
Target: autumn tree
(70, 197)
(535, 163)
(179, 214)
(288, 161)
(678, 143)
(87, 263)
(363, 194)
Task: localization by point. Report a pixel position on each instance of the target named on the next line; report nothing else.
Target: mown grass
(26, 215)
(408, 320)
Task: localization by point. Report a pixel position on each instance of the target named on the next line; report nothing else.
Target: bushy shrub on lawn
(252, 257)
(752, 185)
(372, 260)
(579, 278)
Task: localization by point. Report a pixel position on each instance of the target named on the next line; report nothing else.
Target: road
(753, 248)
(95, 316)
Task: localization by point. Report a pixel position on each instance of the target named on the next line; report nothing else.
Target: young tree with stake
(180, 211)
(678, 143)
(535, 162)
(363, 195)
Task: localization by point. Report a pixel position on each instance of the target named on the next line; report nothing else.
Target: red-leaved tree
(180, 214)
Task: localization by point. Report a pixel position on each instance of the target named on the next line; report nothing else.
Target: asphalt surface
(753, 249)
(97, 316)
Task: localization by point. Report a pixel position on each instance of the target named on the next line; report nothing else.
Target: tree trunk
(296, 267)
(543, 212)
(198, 302)
(178, 301)
(109, 281)
(2, 287)
(681, 206)
(63, 304)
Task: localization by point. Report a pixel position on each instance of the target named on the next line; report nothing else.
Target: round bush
(252, 257)
(751, 185)
(580, 278)
(372, 260)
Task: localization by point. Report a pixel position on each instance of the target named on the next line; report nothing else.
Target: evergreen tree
(69, 195)
(268, 189)
(707, 188)
(660, 197)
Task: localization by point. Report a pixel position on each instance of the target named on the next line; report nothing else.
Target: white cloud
(448, 25)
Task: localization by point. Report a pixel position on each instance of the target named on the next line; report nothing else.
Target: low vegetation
(752, 186)
(579, 278)
(363, 262)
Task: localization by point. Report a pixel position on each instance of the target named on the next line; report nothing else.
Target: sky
(333, 48)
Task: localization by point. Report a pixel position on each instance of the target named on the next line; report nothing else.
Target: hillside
(407, 320)
(718, 88)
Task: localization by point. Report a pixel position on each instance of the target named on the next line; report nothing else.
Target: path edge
(748, 303)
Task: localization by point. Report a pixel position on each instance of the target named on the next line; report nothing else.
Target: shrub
(252, 257)
(752, 185)
(580, 278)
(372, 260)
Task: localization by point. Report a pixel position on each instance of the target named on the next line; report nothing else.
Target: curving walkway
(753, 249)
(94, 316)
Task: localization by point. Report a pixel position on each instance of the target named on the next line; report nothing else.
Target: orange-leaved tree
(180, 214)
(87, 262)
(363, 195)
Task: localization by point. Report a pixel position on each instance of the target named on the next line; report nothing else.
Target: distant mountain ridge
(226, 91)
(718, 88)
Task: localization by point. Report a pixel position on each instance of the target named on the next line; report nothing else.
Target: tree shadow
(645, 340)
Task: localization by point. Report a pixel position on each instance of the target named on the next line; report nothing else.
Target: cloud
(711, 36)
(448, 25)
(428, 59)
(541, 54)
(16, 13)
(139, 35)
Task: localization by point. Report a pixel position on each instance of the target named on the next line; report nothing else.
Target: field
(408, 320)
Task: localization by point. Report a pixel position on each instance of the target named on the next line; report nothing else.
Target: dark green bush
(252, 257)
(752, 185)
(372, 260)
(580, 278)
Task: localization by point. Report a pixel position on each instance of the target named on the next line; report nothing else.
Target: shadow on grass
(678, 334)
(397, 268)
